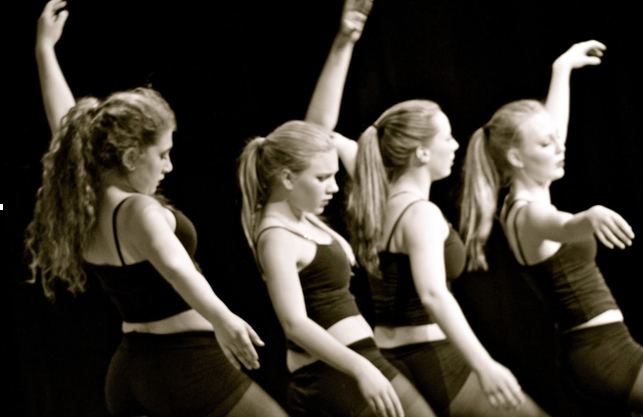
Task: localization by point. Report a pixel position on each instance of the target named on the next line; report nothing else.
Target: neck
(414, 181)
(529, 189)
(279, 206)
(113, 178)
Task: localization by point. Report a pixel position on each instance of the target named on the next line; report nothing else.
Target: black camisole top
(575, 285)
(325, 283)
(395, 299)
(138, 290)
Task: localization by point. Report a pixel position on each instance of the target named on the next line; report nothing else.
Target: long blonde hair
(292, 145)
(486, 171)
(93, 137)
(383, 155)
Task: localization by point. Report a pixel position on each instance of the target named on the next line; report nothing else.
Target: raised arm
(327, 97)
(426, 253)
(56, 95)
(557, 103)
(149, 234)
(326, 100)
(277, 251)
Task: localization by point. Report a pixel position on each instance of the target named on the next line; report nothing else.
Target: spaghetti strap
(390, 236)
(118, 246)
(522, 259)
(285, 228)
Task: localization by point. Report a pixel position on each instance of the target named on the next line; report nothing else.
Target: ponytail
(65, 211)
(486, 171)
(479, 200)
(367, 200)
(254, 192)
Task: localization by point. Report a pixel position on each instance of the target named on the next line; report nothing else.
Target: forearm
(318, 342)
(198, 294)
(558, 96)
(56, 94)
(451, 320)
(326, 100)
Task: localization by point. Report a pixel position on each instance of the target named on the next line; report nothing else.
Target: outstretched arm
(56, 95)
(557, 103)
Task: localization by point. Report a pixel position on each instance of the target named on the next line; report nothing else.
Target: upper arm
(347, 152)
(545, 222)
(278, 256)
(425, 231)
(149, 234)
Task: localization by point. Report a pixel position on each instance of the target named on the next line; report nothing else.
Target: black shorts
(603, 361)
(183, 374)
(320, 390)
(437, 369)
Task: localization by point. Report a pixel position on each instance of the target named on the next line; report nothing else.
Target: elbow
(433, 299)
(292, 327)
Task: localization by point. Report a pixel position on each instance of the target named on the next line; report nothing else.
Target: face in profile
(313, 188)
(152, 165)
(442, 148)
(541, 152)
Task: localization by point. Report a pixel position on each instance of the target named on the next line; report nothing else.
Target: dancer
(523, 147)
(287, 178)
(96, 209)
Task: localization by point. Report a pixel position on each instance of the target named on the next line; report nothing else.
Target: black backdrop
(232, 70)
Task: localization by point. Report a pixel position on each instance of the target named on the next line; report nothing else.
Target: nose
(332, 186)
(560, 146)
(168, 166)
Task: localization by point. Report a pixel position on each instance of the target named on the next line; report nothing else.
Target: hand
(354, 17)
(500, 386)
(236, 339)
(610, 228)
(581, 54)
(51, 23)
(378, 392)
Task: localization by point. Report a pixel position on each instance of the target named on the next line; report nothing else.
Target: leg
(635, 399)
(471, 401)
(413, 403)
(257, 402)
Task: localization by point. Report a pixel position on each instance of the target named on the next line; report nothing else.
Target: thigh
(119, 395)
(256, 402)
(437, 369)
(472, 401)
(412, 401)
(635, 398)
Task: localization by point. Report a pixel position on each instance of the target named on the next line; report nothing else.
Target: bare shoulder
(144, 212)
(423, 221)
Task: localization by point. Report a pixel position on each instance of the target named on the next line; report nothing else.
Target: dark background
(235, 69)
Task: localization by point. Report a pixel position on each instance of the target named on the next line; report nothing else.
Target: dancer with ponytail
(523, 147)
(412, 254)
(287, 178)
(182, 348)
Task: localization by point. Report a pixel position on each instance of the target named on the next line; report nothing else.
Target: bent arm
(56, 94)
(558, 96)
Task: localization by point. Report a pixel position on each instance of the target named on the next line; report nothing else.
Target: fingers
(228, 354)
(245, 352)
(254, 337)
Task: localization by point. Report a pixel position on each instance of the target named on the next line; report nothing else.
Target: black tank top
(575, 286)
(395, 299)
(139, 292)
(325, 283)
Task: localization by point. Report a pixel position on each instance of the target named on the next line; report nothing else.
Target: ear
(131, 157)
(515, 158)
(287, 179)
(423, 154)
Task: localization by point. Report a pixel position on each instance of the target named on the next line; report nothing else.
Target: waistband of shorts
(589, 335)
(171, 340)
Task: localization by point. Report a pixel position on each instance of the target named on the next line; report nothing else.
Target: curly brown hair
(93, 137)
